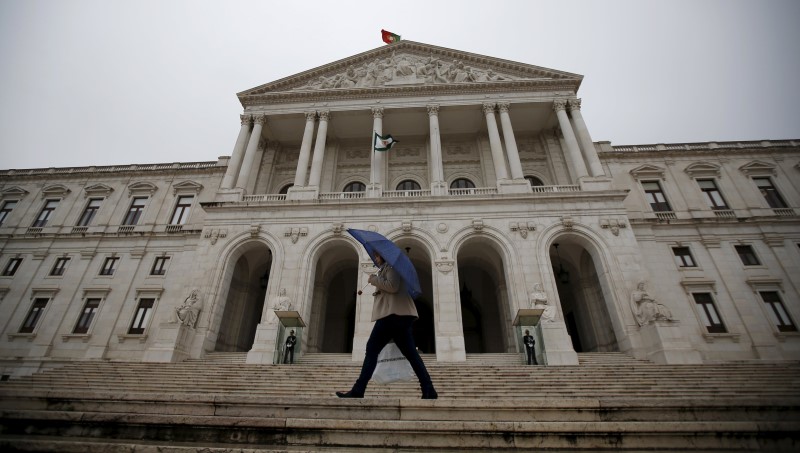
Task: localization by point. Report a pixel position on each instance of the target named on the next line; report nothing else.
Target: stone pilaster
(587, 146)
(305, 151)
(438, 186)
(250, 154)
(511, 142)
(494, 142)
(232, 172)
(573, 150)
(319, 150)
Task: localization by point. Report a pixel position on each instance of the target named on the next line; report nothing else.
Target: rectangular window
(87, 315)
(60, 266)
(777, 312)
(747, 255)
(33, 316)
(160, 265)
(683, 257)
(712, 194)
(45, 213)
(11, 267)
(5, 211)
(143, 312)
(708, 313)
(770, 193)
(89, 212)
(109, 266)
(135, 211)
(655, 196)
(182, 208)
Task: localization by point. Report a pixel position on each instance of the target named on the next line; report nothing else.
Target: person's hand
(372, 279)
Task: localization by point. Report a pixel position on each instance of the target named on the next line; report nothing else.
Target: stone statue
(538, 299)
(282, 303)
(187, 313)
(645, 309)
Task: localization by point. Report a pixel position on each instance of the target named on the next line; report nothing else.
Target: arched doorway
(484, 311)
(580, 292)
(244, 303)
(424, 336)
(333, 311)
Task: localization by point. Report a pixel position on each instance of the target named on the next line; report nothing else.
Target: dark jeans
(288, 356)
(531, 355)
(397, 328)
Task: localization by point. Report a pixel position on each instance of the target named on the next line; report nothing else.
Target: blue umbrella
(376, 242)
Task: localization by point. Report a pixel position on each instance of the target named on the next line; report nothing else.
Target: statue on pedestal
(645, 309)
(187, 313)
(282, 302)
(538, 299)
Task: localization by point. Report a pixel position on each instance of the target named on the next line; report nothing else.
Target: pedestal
(171, 344)
(303, 193)
(665, 343)
(514, 186)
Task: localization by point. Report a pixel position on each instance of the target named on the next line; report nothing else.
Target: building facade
(676, 253)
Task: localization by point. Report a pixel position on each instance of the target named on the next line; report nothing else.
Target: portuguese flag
(384, 142)
(389, 37)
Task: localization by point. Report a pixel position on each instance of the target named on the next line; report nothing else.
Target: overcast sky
(111, 82)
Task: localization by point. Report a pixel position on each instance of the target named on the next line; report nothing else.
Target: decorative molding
(567, 222)
(97, 189)
(377, 112)
(703, 169)
(445, 266)
(245, 119)
(433, 109)
(186, 187)
(613, 224)
(691, 285)
(522, 228)
(13, 192)
(55, 190)
(142, 188)
(324, 115)
(765, 283)
(559, 105)
(215, 234)
(477, 224)
(368, 267)
(647, 171)
(488, 108)
(295, 233)
(758, 168)
(574, 104)
(337, 229)
(255, 229)
(442, 228)
(406, 226)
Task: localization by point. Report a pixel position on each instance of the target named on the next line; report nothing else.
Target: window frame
(135, 214)
(5, 210)
(710, 192)
(59, 267)
(142, 315)
(35, 314)
(752, 257)
(704, 314)
(162, 269)
(770, 192)
(462, 183)
(679, 259)
(109, 267)
(532, 179)
(184, 209)
(46, 213)
(408, 181)
(348, 188)
(82, 324)
(8, 271)
(89, 211)
(775, 315)
(655, 204)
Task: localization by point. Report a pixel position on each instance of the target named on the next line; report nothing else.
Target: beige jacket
(392, 297)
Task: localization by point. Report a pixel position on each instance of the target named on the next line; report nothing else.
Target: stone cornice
(130, 170)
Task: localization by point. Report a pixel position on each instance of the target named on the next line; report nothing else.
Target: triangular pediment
(186, 187)
(647, 171)
(13, 192)
(98, 189)
(409, 67)
(700, 169)
(142, 188)
(758, 168)
(55, 190)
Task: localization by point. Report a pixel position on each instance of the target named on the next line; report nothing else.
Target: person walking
(394, 313)
(529, 347)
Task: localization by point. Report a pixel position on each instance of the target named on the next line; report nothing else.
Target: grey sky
(111, 82)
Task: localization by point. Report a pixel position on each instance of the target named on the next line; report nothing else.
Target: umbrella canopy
(376, 242)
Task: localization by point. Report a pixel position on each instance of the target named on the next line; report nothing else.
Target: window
(770, 193)
(159, 265)
(33, 316)
(285, 189)
(655, 196)
(747, 255)
(45, 213)
(462, 183)
(182, 208)
(143, 312)
(90, 211)
(5, 211)
(135, 211)
(683, 257)
(11, 267)
(87, 315)
(534, 181)
(109, 266)
(60, 266)
(712, 194)
(355, 187)
(408, 184)
(708, 313)
(777, 312)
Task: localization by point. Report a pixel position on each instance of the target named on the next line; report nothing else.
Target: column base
(450, 349)
(374, 190)
(595, 183)
(228, 195)
(303, 193)
(439, 188)
(263, 350)
(514, 186)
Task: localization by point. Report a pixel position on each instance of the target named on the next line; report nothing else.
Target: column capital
(245, 119)
(488, 107)
(311, 116)
(575, 104)
(433, 109)
(377, 112)
(559, 105)
(503, 106)
(260, 119)
(324, 115)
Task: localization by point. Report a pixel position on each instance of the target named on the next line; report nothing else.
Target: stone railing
(473, 191)
(406, 193)
(545, 189)
(265, 197)
(341, 195)
(787, 212)
(111, 168)
(725, 213)
(665, 215)
(707, 146)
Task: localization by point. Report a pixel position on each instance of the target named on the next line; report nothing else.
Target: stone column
(376, 173)
(494, 142)
(319, 150)
(305, 150)
(229, 180)
(589, 151)
(573, 151)
(250, 154)
(511, 142)
(437, 168)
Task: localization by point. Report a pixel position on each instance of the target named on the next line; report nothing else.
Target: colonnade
(580, 149)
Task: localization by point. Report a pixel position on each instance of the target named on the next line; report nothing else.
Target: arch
(462, 183)
(408, 184)
(534, 181)
(355, 186)
(285, 188)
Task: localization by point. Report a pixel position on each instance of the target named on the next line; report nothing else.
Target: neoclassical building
(675, 253)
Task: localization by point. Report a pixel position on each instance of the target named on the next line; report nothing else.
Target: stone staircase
(489, 403)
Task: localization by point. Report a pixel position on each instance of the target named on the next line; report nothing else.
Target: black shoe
(430, 395)
(349, 394)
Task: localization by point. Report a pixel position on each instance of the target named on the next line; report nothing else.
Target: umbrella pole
(361, 291)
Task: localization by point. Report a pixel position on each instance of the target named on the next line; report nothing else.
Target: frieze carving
(442, 228)
(522, 228)
(406, 225)
(477, 224)
(215, 234)
(567, 222)
(295, 233)
(337, 228)
(254, 230)
(445, 266)
(368, 267)
(613, 224)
